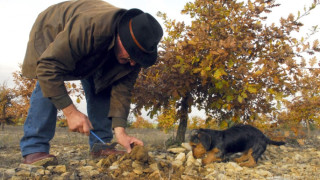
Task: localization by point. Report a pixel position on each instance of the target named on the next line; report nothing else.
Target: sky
(17, 17)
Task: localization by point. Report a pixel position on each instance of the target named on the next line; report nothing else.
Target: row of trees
(228, 62)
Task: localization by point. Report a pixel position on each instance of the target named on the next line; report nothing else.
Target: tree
(22, 93)
(5, 104)
(141, 123)
(167, 118)
(227, 62)
(197, 122)
(23, 90)
(305, 107)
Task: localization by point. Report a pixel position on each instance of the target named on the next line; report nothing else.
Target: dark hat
(140, 34)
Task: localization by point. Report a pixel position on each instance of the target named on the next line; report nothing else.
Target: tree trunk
(308, 127)
(182, 128)
(3, 119)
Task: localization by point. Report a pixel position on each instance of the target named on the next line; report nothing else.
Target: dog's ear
(205, 139)
(194, 136)
(194, 132)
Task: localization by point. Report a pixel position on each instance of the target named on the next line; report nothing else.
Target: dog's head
(200, 142)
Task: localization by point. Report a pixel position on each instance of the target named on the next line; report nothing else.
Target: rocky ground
(154, 161)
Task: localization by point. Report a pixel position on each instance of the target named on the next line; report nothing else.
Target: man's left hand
(125, 140)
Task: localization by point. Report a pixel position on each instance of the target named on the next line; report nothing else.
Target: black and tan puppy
(217, 145)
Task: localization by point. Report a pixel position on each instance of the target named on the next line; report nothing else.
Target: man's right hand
(77, 121)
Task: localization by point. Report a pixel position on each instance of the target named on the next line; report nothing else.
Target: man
(99, 44)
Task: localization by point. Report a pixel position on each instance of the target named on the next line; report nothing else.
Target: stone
(138, 171)
(41, 172)
(198, 162)
(60, 169)
(154, 166)
(101, 162)
(50, 168)
(114, 167)
(94, 173)
(170, 158)
(161, 156)
(177, 163)
(298, 157)
(23, 173)
(47, 172)
(219, 176)
(155, 175)
(58, 178)
(66, 175)
(83, 162)
(74, 162)
(17, 178)
(234, 167)
(10, 172)
(148, 170)
(176, 150)
(181, 157)
(190, 171)
(264, 173)
(136, 164)
(31, 168)
(186, 146)
(86, 168)
(125, 173)
(190, 159)
(187, 177)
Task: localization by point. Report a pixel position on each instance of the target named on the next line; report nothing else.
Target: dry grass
(10, 154)
(10, 137)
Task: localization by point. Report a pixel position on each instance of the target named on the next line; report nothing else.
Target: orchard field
(155, 160)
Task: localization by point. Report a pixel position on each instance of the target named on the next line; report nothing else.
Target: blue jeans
(39, 127)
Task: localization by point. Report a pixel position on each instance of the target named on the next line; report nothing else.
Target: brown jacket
(74, 40)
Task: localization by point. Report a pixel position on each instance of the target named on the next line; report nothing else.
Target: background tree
(22, 90)
(305, 107)
(228, 62)
(167, 118)
(6, 114)
(140, 122)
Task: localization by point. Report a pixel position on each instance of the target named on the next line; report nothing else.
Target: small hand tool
(98, 146)
(97, 137)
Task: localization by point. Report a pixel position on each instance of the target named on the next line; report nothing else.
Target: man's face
(121, 54)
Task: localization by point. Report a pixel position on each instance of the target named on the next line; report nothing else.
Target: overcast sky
(17, 17)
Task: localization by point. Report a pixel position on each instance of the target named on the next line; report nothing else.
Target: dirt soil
(155, 160)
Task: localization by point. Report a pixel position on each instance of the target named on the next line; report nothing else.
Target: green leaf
(244, 95)
(230, 63)
(252, 89)
(219, 85)
(240, 99)
(218, 73)
(196, 70)
(229, 98)
(192, 42)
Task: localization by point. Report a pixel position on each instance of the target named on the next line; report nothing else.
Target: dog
(218, 145)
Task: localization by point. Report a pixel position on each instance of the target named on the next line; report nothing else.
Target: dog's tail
(277, 143)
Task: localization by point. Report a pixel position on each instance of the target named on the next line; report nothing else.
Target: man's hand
(125, 140)
(77, 121)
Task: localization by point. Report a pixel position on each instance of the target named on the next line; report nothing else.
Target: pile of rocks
(282, 162)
